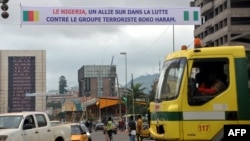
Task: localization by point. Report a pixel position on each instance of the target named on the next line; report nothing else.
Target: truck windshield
(170, 79)
(10, 122)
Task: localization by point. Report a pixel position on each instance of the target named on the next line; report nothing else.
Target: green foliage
(124, 99)
(62, 85)
(136, 91)
(153, 91)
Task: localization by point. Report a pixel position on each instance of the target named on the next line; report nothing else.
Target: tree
(153, 91)
(136, 91)
(62, 85)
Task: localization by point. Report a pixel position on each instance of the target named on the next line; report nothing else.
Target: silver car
(88, 132)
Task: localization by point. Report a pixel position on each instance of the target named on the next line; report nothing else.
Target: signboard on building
(21, 80)
(110, 16)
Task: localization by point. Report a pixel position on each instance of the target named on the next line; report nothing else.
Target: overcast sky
(69, 47)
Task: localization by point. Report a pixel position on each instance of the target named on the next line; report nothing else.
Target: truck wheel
(59, 139)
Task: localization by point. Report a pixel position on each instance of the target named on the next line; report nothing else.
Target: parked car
(114, 129)
(88, 132)
(99, 126)
(78, 133)
(89, 125)
(31, 126)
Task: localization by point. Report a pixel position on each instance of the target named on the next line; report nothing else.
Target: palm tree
(136, 91)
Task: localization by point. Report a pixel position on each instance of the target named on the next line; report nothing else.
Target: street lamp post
(124, 53)
(133, 98)
(126, 111)
(119, 97)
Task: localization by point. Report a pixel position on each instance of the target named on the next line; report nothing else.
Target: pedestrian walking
(108, 129)
(132, 129)
(139, 128)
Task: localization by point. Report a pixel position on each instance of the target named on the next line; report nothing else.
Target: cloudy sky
(69, 47)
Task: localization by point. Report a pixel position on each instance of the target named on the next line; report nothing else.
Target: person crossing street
(139, 128)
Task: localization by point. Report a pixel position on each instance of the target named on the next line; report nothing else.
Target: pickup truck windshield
(10, 122)
(170, 79)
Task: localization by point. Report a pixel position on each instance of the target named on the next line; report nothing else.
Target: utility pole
(119, 98)
(133, 97)
(125, 54)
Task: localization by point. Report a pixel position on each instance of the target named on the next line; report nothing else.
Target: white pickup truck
(31, 126)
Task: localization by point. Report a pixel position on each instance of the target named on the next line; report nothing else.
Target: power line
(155, 41)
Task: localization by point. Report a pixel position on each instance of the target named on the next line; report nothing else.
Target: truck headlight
(3, 137)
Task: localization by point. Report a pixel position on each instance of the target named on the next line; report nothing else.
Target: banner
(110, 16)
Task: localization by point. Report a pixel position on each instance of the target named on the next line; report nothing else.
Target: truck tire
(59, 139)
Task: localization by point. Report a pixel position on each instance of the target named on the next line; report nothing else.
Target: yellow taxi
(145, 131)
(78, 133)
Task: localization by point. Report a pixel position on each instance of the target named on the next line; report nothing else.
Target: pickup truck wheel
(59, 139)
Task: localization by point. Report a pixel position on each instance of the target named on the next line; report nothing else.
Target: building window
(225, 39)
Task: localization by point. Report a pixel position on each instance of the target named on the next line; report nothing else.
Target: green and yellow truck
(181, 112)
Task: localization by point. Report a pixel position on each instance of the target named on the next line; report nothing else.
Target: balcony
(216, 35)
(197, 2)
(211, 22)
(206, 7)
(203, 27)
(240, 12)
(239, 28)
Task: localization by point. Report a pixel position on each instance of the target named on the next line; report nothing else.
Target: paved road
(120, 136)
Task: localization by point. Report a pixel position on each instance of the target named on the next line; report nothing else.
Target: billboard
(21, 70)
(110, 16)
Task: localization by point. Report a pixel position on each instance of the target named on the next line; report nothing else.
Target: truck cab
(182, 111)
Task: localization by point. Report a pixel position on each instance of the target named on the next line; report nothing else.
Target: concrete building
(100, 91)
(97, 81)
(21, 72)
(224, 22)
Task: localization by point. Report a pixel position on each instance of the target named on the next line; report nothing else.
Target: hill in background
(146, 81)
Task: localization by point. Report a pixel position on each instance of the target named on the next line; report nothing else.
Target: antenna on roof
(112, 60)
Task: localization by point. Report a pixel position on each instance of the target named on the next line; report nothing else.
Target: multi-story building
(97, 86)
(97, 81)
(224, 22)
(21, 72)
